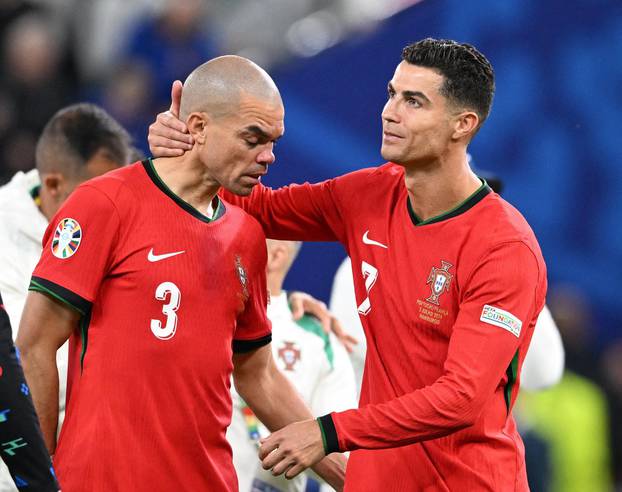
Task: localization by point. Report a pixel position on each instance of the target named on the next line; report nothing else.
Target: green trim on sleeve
(512, 373)
(37, 287)
(329, 434)
(319, 422)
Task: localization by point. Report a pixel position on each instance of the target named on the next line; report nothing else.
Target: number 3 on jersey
(370, 274)
(167, 331)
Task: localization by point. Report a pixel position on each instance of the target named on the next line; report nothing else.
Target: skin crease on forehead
(238, 147)
(417, 119)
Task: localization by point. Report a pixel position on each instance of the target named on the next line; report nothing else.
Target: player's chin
(240, 189)
(389, 153)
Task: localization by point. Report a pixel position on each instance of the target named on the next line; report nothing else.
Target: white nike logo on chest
(153, 257)
(366, 240)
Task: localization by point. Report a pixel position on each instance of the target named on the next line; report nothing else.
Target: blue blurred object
(552, 135)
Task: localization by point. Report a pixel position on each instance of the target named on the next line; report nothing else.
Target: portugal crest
(242, 276)
(289, 354)
(440, 278)
(67, 238)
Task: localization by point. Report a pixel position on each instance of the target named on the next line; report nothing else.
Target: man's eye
(414, 102)
(251, 143)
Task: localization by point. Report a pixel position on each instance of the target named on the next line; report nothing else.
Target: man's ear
(54, 183)
(197, 124)
(465, 125)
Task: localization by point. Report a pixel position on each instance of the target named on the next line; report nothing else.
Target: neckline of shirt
(459, 209)
(217, 204)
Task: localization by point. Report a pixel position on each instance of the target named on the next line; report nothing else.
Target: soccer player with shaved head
(449, 282)
(161, 287)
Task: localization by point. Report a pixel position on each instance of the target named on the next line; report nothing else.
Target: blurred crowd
(573, 431)
(123, 56)
(47, 62)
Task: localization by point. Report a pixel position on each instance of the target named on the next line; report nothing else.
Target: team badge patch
(289, 354)
(67, 238)
(242, 275)
(440, 278)
(503, 319)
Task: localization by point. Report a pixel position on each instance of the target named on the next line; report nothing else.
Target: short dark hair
(78, 132)
(469, 76)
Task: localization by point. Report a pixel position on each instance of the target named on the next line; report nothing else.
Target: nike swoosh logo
(153, 257)
(366, 240)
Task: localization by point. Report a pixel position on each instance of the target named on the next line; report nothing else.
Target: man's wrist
(329, 434)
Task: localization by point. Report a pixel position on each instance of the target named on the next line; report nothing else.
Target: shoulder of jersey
(370, 180)
(114, 182)
(386, 169)
(507, 222)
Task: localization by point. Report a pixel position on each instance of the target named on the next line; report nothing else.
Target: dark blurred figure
(572, 417)
(33, 86)
(10, 10)
(611, 368)
(171, 45)
(127, 96)
(574, 320)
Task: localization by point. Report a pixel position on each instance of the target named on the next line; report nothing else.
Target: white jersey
(543, 365)
(319, 368)
(22, 226)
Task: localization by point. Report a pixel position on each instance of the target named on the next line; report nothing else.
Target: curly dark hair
(469, 77)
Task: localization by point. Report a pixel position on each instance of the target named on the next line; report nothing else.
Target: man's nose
(389, 112)
(266, 156)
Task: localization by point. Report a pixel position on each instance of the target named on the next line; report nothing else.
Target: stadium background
(552, 136)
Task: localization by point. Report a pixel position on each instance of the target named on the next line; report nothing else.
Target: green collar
(219, 206)
(459, 209)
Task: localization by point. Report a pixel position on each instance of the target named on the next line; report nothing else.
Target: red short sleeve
(78, 248)
(253, 327)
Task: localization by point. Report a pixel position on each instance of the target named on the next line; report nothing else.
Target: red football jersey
(448, 306)
(167, 295)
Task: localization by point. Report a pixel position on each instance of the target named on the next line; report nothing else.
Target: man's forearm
(42, 378)
(276, 403)
(274, 400)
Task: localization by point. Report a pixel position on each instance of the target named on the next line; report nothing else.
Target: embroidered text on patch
(502, 319)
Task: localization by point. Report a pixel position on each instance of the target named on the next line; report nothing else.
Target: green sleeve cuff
(329, 434)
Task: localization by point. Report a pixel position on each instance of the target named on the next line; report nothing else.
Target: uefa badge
(67, 238)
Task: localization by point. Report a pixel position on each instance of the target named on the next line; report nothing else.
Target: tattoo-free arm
(276, 403)
(46, 324)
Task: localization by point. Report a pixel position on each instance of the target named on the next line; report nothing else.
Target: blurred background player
(21, 444)
(316, 364)
(78, 143)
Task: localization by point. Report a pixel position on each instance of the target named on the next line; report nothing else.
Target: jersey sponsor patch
(67, 238)
(503, 319)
